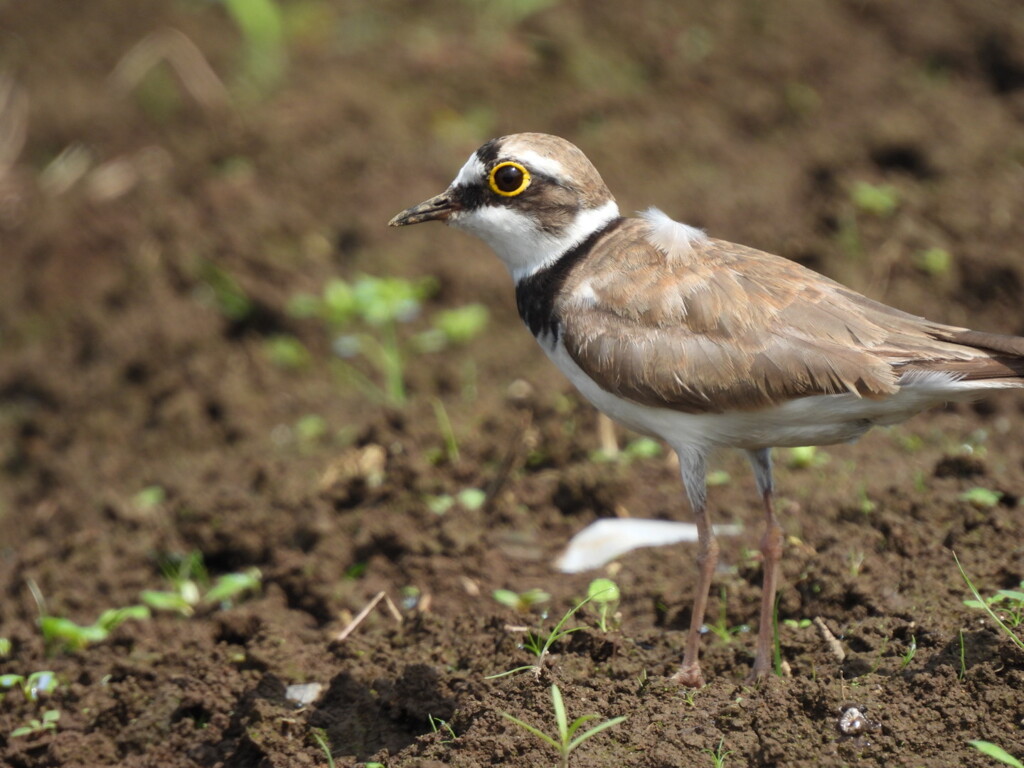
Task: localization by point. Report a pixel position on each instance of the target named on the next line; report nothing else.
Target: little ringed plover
(699, 341)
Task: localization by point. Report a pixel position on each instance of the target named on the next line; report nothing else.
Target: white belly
(818, 420)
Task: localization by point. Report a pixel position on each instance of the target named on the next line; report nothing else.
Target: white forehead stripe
(669, 236)
(471, 173)
(541, 164)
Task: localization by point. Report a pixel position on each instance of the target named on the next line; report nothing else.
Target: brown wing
(725, 327)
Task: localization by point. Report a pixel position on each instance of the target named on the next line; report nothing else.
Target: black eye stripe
(472, 196)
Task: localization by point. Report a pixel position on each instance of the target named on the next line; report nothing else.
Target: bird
(700, 342)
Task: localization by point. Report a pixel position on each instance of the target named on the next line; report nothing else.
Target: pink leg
(692, 468)
(707, 558)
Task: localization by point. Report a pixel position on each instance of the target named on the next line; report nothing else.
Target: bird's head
(530, 196)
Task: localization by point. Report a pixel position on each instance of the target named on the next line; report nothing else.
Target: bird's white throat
(520, 243)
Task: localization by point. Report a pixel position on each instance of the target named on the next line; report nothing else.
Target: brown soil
(119, 370)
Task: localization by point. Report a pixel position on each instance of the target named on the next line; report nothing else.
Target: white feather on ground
(607, 539)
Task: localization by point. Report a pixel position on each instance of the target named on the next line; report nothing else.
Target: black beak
(437, 208)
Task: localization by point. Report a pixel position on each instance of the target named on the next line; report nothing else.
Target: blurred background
(210, 341)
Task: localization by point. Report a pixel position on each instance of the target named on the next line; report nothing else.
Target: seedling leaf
(532, 729)
(595, 730)
(996, 753)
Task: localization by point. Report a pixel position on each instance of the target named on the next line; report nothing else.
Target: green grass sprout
(32, 687)
(444, 426)
(934, 261)
(224, 292)
(982, 498)
(806, 457)
(880, 200)
(320, 737)
(286, 351)
(150, 497)
(984, 605)
(47, 723)
(776, 640)
(366, 315)
(963, 657)
(605, 595)
(718, 754)
(566, 740)
(996, 752)
(192, 587)
(720, 628)
(65, 634)
(265, 57)
(908, 655)
(539, 644)
(439, 726)
(521, 602)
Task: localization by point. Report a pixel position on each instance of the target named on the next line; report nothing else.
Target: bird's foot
(689, 676)
(763, 670)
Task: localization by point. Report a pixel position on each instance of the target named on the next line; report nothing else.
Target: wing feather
(722, 327)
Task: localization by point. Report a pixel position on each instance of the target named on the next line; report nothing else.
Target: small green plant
(934, 261)
(963, 657)
(718, 754)
(908, 655)
(286, 351)
(864, 502)
(320, 737)
(222, 291)
(605, 595)
(566, 740)
(444, 426)
(265, 57)
(437, 725)
(880, 200)
(984, 605)
(47, 723)
(469, 498)
(855, 559)
(191, 586)
(720, 628)
(539, 643)
(34, 686)
(641, 448)
(996, 752)
(5, 647)
(521, 602)
(806, 457)
(366, 315)
(150, 497)
(776, 640)
(982, 498)
(642, 680)
(718, 477)
(61, 633)
(310, 429)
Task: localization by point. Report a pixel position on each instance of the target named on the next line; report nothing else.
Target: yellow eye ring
(508, 179)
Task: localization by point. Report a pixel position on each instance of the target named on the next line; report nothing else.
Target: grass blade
(996, 753)
(535, 731)
(560, 719)
(595, 730)
(579, 721)
(987, 608)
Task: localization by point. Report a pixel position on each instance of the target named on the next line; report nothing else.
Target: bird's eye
(508, 179)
